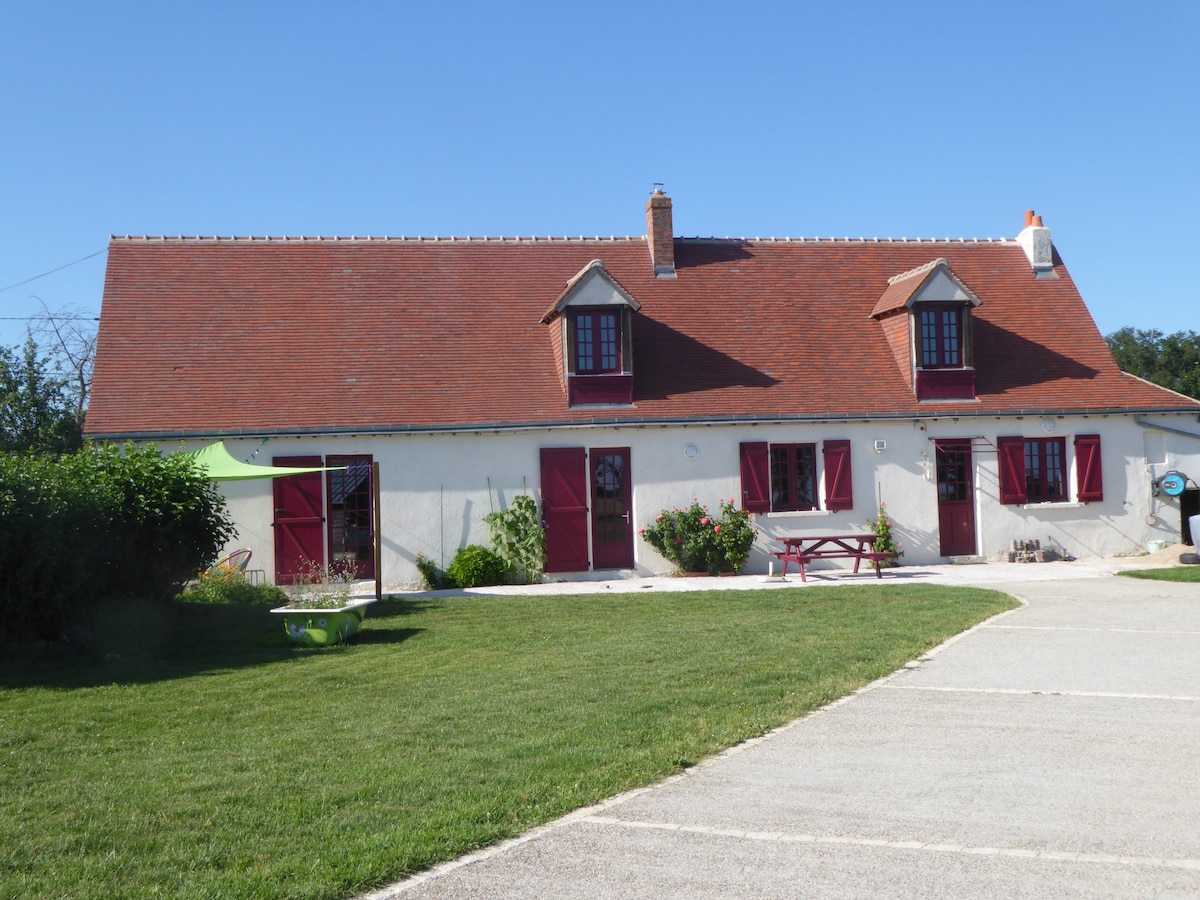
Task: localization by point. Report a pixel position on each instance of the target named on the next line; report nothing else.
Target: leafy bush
(475, 566)
(101, 523)
(518, 537)
(435, 578)
(225, 584)
(882, 526)
(697, 541)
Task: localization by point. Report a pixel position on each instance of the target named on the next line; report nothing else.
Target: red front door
(612, 528)
(564, 508)
(956, 498)
(299, 520)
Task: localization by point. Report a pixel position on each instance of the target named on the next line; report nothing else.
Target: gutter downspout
(1145, 424)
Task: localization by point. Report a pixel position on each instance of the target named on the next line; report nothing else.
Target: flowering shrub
(698, 541)
(882, 526)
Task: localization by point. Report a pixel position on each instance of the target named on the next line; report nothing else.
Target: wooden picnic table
(806, 549)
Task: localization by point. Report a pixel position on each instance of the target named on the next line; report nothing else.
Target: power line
(52, 271)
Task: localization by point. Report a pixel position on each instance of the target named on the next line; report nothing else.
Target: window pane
(793, 477)
(1054, 469)
(1044, 474)
(949, 337)
(929, 355)
(806, 476)
(584, 361)
(781, 495)
(609, 342)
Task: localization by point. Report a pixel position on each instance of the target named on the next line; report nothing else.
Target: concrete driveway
(1053, 751)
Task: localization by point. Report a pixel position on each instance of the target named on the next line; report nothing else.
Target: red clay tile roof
(268, 336)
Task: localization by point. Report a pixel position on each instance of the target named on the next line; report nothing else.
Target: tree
(37, 413)
(71, 335)
(1172, 360)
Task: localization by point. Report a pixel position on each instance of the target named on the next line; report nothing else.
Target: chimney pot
(1037, 222)
(1028, 217)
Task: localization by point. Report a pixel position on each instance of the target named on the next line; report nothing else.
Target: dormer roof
(590, 286)
(932, 282)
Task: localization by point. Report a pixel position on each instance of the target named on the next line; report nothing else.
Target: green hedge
(102, 522)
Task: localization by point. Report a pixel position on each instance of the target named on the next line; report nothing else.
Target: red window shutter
(756, 477)
(839, 489)
(1089, 477)
(1012, 469)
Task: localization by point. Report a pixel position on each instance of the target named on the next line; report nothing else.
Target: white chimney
(1035, 241)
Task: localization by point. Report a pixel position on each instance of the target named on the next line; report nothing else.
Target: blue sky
(902, 119)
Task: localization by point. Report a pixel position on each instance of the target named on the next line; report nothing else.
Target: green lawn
(200, 764)
(1174, 573)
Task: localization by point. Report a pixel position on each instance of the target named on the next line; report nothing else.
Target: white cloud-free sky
(872, 119)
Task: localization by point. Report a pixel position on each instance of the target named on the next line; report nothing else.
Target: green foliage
(36, 412)
(475, 566)
(101, 522)
(519, 539)
(882, 526)
(225, 584)
(1172, 360)
(435, 578)
(697, 541)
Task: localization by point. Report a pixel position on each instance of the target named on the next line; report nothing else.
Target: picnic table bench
(804, 550)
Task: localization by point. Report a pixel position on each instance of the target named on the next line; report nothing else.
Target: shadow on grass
(137, 642)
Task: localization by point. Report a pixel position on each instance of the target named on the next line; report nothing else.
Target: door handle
(625, 516)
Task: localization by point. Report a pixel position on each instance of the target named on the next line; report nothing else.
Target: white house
(961, 382)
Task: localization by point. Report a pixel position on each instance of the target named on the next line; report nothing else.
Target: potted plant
(322, 609)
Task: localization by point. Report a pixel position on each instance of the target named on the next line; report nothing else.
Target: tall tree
(1172, 360)
(37, 412)
(70, 333)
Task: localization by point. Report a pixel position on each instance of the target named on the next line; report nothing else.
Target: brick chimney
(1035, 241)
(660, 234)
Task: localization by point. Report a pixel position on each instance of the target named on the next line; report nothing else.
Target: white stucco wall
(436, 489)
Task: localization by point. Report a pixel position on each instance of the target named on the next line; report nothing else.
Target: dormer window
(941, 337)
(597, 342)
(591, 327)
(926, 316)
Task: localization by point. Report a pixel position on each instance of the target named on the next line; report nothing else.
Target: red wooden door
(956, 498)
(612, 528)
(564, 508)
(299, 520)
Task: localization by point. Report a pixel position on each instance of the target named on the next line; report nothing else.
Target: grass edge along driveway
(209, 758)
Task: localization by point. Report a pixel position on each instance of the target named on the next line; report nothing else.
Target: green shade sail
(221, 466)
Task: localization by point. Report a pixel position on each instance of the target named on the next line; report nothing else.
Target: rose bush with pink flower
(696, 541)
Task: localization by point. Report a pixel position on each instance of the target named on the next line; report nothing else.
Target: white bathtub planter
(323, 627)
(322, 610)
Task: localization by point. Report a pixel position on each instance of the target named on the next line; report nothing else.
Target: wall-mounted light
(926, 465)
(880, 446)
(690, 451)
